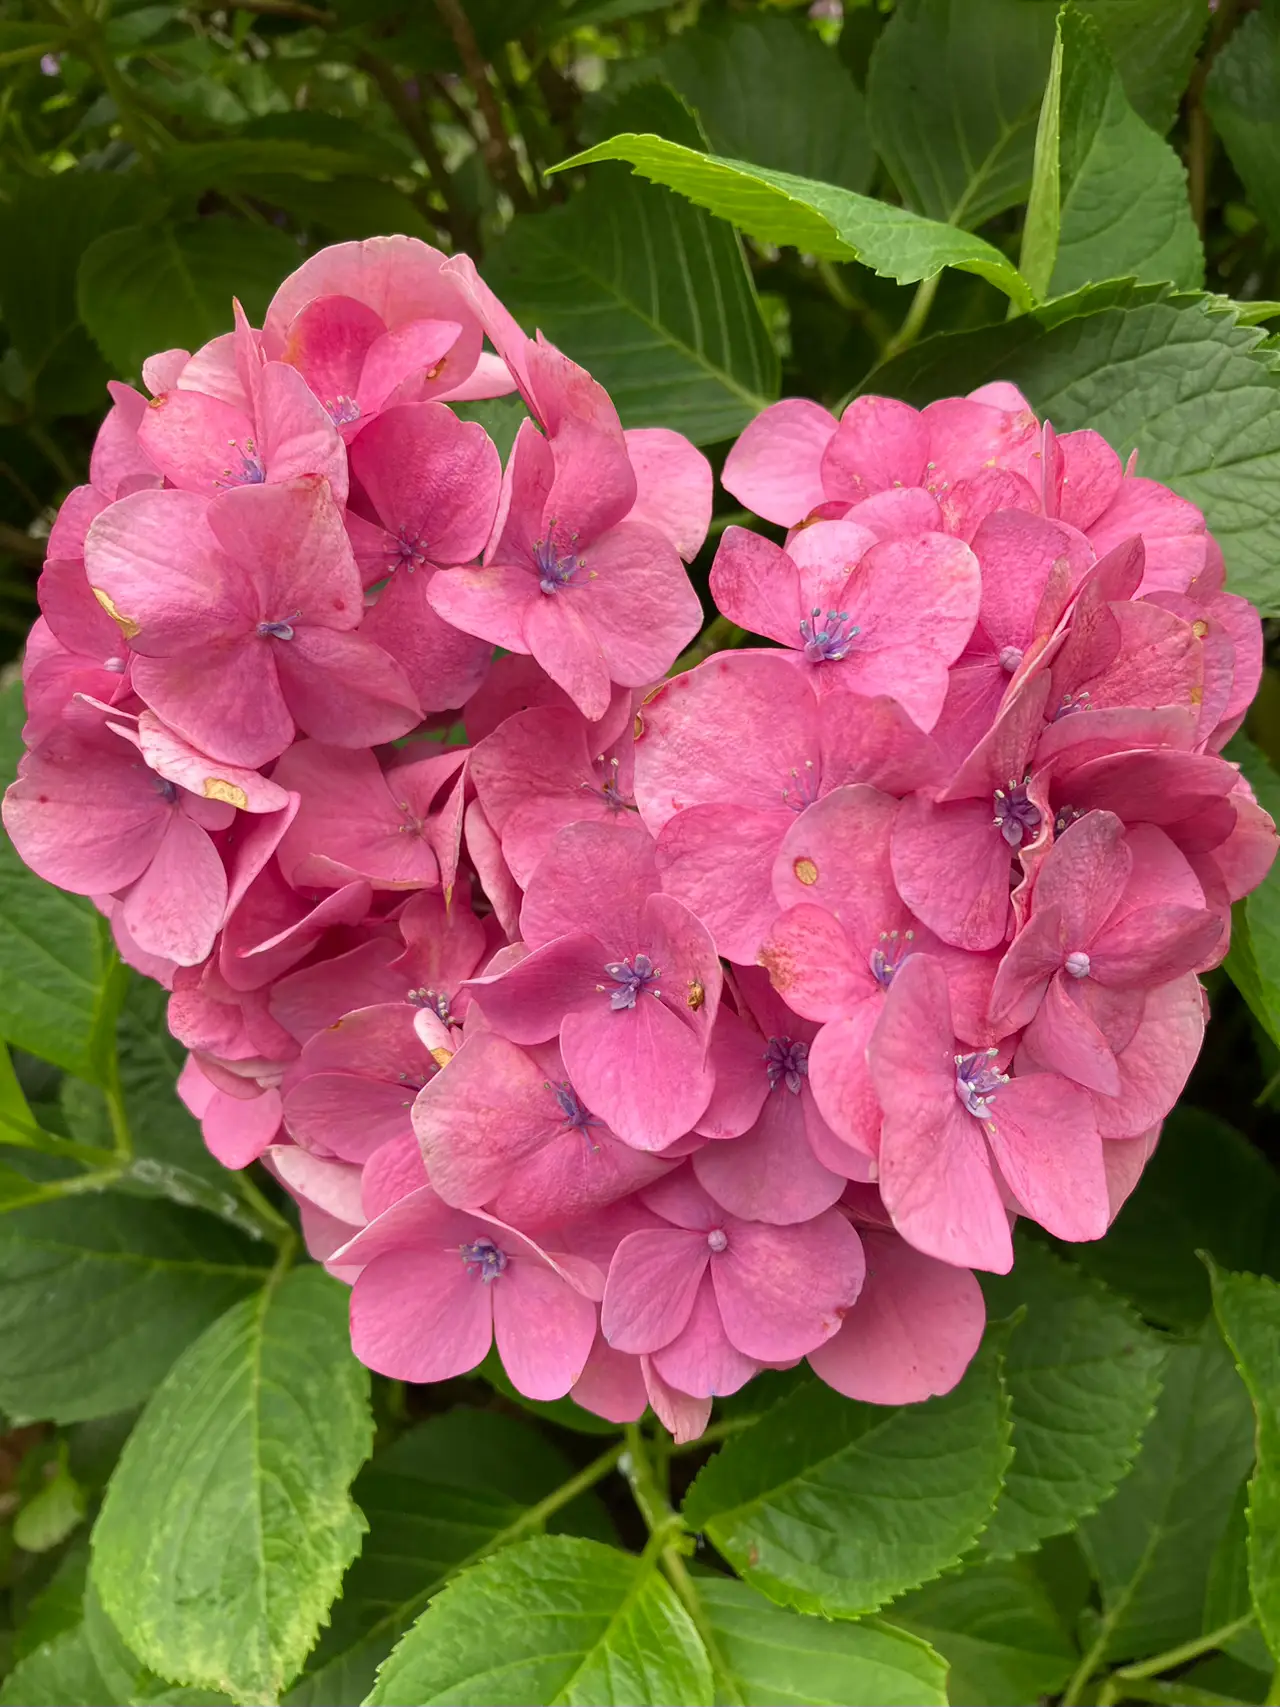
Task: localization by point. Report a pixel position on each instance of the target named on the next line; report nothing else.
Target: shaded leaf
(59, 1673)
(228, 1523)
(1153, 44)
(1243, 98)
(1151, 1545)
(580, 1624)
(834, 1507)
(1253, 962)
(1083, 1374)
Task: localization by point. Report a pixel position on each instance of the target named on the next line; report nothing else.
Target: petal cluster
(653, 1029)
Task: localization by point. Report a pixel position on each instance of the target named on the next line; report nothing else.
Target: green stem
(45, 442)
(916, 315)
(267, 1215)
(1273, 1694)
(666, 1533)
(18, 1136)
(1113, 1690)
(97, 53)
(717, 1432)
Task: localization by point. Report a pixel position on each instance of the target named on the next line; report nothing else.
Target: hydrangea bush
(550, 893)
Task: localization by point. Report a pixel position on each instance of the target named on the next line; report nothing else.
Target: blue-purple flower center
(893, 949)
(977, 1081)
(1071, 702)
(576, 1114)
(276, 630)
(409, 549)
(436, 1000)
(787, 1063)
(802, 790)
(342, 410)
(827, 639)
(607, 786)
(555, 570)
(1017, 816)
(633, 978)
(1065, 817)
(252, 470)
(164, 788)
(484, 1258)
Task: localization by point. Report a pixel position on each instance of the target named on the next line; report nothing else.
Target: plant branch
(89, 40)
(499, 155)
(914, 322)
(417, 127)
(1114, 1686)
(1199, 130)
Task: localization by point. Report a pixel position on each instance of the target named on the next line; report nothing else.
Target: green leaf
(953, 94)
(228, 1523)
(51, 1514)
(232, 163)
(1227, 1596)
(346, 208)
(1248, 1311)
(1151, 1545)
(1153, 43)
(776, 1658)
(60, 1673)
(998, 1630)
(834, 1507)
(1253, 962)
(59, 1605)
(58, 997)
(653, 297)
(1173, 377)
(155, 287)
(1124, 206)
(1206, 1188)
(28, 41)
(552, 1620)
(1243, 99)
(819, 219)
(1083, 1374)
(99, 1294)
(768, 91)
(1042, 223)
(456, 1486)
(46, 225)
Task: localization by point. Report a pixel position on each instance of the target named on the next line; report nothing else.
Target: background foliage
(203, 1497)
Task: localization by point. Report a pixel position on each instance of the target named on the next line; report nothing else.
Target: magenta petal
(951, 864)
(1063, 1036)
(558, 632)
(343, 689)
(737, 1059)
(651, 1285)
(443, 665)
(528, 1001)
(700, 1360)
(916, 1324)
(697, 847)
(783, 1290)
(483, 1119)
(841, 1079)
(770, 1173)
(432, 479)
(1046, 1144)
(642, 1070)
(175, 908)
(418, 1314)
(543, 1327)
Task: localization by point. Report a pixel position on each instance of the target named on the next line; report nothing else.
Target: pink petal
(237, 1130)
(756, 584)
(484, 1119)
(420, 1315)
(223, 699)
(638, 603)
(1045, 1142)
(813, 964)
(784, 1290)
(1154, 944)
(841, 1080)
(951, 865)
(432, 479)
(543, 1327)
(673, 487)
(558, 631)
(836, 856)
(700, 1360)
(642, 1070)
(443, 665)
(683, 1417)
(775, 468)
(741, 1084)
(611, 1384)
(343, 689)
(528, 1001)
(651, 1285)
(695, 849)
(873, 741)
(880, 443)
(594, 878)
(1063, 1036)
(176, 906)
(490, 603)
(910, 1335)
(770, 1173)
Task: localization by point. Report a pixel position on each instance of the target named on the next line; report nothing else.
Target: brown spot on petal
(637, 728)
(806, 871)
(1197, 696)
(158, 402)
(127, 626)
(442, 1057)
(697, 994)
(215, 788)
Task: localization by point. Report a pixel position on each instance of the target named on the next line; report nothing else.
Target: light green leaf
(1153, 43)
(456, 1486)
(99, 1294)
(998, 1630)
(777, 1658)
(834, 1507)
(1083, 1374)
(1248, 1311)
(46, 1519)
(1151, 1545)
(1253, 962)
(228, 1523)
(155, 287)
(818, 219)
(653, 297)
(1124, 206)
(768, 91)
(552, 1620)
(1170, 376)
(1243, 99)
(60, 1673)
(1042, 222)
(1205, 1189)
(953, 93)
(58, 991)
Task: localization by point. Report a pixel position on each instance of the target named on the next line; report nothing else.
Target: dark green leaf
(99, 1294)
(1151, 1545)
(953, 94)
(237, 163)
(777, 1658)
(997, 1628)
(157, 287)
(1083, 1374)
(1248, 1311)
(1254, 960)
(1172, 377)
(552, 1620)
(46, 1519)
(455, 1486)
(768, 91)
(346, 208)
(1226, 1595)
(228, 1523)
(1243, 99)
(1206, 1188)
(834, 1507)
(652, 296)
(1123, 190)
(1153, 43)
(28, 41)
(60, 1673)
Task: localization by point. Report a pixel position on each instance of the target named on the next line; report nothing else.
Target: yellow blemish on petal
(127, 626)
(637, 728)
(1197, 696)
(215, 788)
(1199, 628)
(806, 872)
(697, 994)
(442, 1057)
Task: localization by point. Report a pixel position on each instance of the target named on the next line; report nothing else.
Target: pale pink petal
(775, 468)
(651, 1285)
(176, 906)
(673, 487)
(784, 1290)
(1045, 1141)
(700, 1360)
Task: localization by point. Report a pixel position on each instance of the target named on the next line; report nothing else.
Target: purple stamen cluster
(632, 979)
(977, 1081)
(1017, 816)
(830, 643)
(483, 1258)
(885, 960)
(786, 1062)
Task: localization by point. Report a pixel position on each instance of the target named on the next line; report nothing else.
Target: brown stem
(498, 153)
(19, 544)
(1199, 130)
(416, 126)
